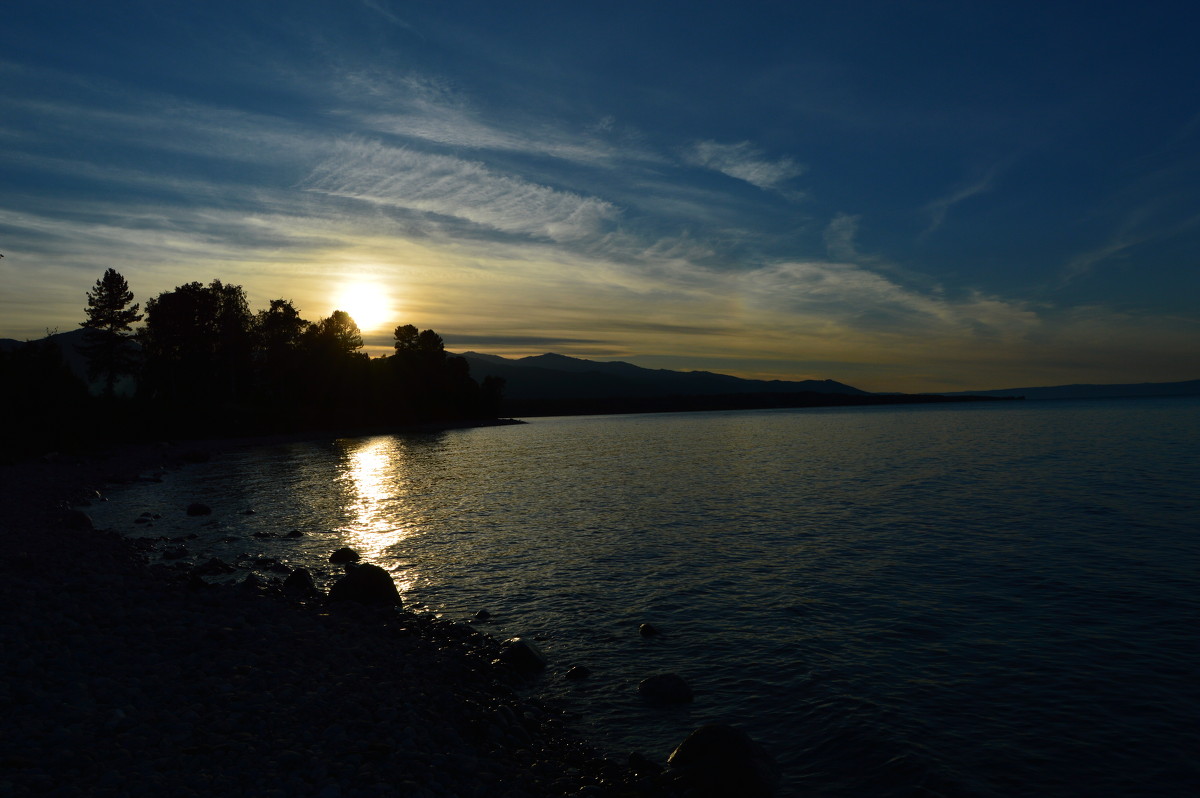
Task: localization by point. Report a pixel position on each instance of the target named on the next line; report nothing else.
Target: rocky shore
(122, 679)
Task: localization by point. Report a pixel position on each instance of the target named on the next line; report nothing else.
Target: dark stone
(721, 760)
(77, 519)
(483, 615)
(577, 672)
(213, 567)
(198, 508)
(174, 552)
(366, 584)
(248, 512)
(647, 630)
(641, 765)
(295, 533)
(344, 555)
(522, 655)
(299, 584)
(665, 688)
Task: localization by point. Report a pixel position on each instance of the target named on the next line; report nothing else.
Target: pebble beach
(123, 679)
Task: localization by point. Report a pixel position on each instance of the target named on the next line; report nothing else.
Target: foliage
(209, 366)
(110, 318)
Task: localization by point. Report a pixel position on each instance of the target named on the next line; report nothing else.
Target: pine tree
(108, 344)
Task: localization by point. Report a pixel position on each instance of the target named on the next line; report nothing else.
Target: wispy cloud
(938, 209)
(744, 161)
(840, 235)
(449, 186)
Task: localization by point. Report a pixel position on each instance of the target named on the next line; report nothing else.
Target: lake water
(977, 600)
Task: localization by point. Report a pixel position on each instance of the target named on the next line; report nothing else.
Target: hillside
(557, 377)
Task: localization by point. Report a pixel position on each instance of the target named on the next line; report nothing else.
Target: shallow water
(964, 600)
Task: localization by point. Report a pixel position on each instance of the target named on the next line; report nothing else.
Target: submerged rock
(366, 584)
(647, 630)
(665, 688)
(522, 655)
(721, 760)
(199, 508)
(214, 567)
(344, 555)
(576, 672)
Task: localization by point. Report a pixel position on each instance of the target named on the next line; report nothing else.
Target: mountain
(552, 376)
(70, 343)
(1115, 391)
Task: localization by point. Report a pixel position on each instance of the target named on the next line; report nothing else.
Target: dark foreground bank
(118, 678)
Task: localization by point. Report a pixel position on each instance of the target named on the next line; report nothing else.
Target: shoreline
(125, 678)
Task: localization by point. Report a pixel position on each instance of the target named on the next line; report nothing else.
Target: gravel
(122, 679)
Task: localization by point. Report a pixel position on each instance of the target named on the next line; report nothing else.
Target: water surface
(978, 600)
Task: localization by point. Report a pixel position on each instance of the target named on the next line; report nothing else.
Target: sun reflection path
(371, 475)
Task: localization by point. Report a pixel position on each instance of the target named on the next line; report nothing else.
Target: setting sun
(367, 303)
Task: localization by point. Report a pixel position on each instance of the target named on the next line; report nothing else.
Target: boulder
(366, 584)
(344, 555)
(199, 508)
(721, 760)
(647, 630)
(299, 584)
(665, 688)
(77, 519)
(522, 655)
(576, 672)
(295, 533)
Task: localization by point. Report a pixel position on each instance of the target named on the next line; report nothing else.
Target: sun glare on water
(367, 303)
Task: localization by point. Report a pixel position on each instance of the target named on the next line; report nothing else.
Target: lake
(975, 600)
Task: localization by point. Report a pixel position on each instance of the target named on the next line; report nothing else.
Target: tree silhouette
(108, 344)
(198, 343)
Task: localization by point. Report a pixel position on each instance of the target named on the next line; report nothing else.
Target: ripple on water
(966, 601)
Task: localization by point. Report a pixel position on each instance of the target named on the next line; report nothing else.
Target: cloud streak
(744, 161)
(449, 186)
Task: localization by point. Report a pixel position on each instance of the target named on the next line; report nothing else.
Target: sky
(915, 196)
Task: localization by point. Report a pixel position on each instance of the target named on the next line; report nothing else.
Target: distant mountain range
(1185, 388)
(556, 377)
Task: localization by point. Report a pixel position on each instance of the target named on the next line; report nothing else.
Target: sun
(367, 303)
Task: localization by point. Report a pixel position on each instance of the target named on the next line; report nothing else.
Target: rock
(77, 519)
(366, 584)
(522, 655)
(199, 508)
(721, 760)
(344, 555)
(248, 511)
(295, 533)
(665, 688)
(576, 672)
(213, 567)
(647, 630)
(641, 765)
(299, 584)
(175, 552)
(483, 615)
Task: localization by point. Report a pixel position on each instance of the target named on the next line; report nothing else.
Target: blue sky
(900, 196)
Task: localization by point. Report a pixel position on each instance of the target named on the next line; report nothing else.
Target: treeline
(202, 364)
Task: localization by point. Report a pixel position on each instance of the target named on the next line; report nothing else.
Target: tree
(198, 342)
(336, 335)
(108, 344)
